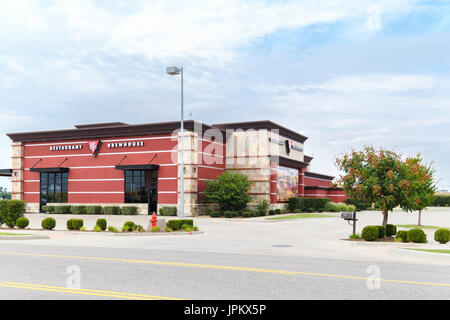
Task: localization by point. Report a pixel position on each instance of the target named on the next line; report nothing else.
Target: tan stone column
(17, 167)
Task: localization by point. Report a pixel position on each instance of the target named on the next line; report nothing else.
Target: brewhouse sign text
(126, 144)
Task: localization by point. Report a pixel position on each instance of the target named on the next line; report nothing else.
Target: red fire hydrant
(153, 220)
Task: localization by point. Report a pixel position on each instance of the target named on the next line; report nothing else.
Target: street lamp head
(173, 70)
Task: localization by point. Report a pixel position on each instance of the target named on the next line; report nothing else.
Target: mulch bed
(385, 239)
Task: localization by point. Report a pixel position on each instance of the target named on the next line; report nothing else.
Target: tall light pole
(174, 71)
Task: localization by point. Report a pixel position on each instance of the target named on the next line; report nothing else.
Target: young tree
(419, 186)
(373, 176)
(230, 191)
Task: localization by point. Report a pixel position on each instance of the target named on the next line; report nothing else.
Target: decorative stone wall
(17, 174)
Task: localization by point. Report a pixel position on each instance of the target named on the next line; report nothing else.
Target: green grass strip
(412, 226)
(300, 216)
(433, 250)
(13, 234)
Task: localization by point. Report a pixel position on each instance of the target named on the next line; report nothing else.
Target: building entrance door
(141, 186)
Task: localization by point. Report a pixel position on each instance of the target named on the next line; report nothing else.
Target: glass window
(54, 187)
(136, 185)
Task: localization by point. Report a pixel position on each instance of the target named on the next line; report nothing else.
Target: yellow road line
(90, 290)
(73, 291)
(193, 265)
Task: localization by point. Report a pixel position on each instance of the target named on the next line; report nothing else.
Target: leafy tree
(229, 190)
(419, 186)
(373, 176)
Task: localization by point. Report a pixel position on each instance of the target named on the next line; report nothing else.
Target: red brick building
(122, 164)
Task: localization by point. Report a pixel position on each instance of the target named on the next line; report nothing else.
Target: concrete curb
(151, 234)
(24, 237)
(406, 251)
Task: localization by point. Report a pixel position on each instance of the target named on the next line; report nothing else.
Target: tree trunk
(385, 218)
(420, 218)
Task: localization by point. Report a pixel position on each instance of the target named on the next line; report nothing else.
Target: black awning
(138, 167)
(6, 172)
(53, 169)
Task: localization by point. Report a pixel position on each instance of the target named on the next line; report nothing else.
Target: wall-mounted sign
(293, 146)
(126, 144)
(67, 147)
(95, 147)
(276, 141)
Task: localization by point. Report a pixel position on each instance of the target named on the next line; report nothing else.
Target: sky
(344, 73)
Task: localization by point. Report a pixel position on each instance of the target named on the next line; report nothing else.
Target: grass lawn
(301, 216)
(411, 226)
(13, 234)
(433, 250)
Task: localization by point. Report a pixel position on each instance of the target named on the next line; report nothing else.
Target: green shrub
(48, 223)
(176, 224)
(78, 210)
(10, 211)
(441, 201)
(391, 230)
(168, 211)
(442, 235)
(271, 212)
(310, 210)
(112, 229)
(48, 209)
(139, 228)
(370, 233)
(155, 229)
(22, 222)
(111, 210)
(254, 214)
(168, 229)
(74, 224)
(94, 210)
(355, 236)
(129, 210)
(296, 203)
(402, 235)
(216, 214)
(62, 209)
(246, 214)
(228, 214)
(381, 231)
(186, 227)
(195, 228)
(101, 223)
(97, 228)
(263, 207)
(235, 214)
(229, 190)
(359, 205)
(277, 211)
(417, 235)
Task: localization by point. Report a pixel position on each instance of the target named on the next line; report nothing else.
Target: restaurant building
(138, 164)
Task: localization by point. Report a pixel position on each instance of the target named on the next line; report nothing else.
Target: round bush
(48, 223)
(246, 214)
(370, 233)
(417, 235)
(22, 222)
(381, 231)
(216, 214)
(442, 235)
(101, 223)
(74, 224)
(277, 211)
(391, 230)
(271, 212)
(403, 235)
(228, 214)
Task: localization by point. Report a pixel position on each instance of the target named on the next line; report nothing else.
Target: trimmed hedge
(129, 210)
(228, 214)
(78, 209)
(48, 223)
(48, 208)
(22, 222)
(307, 204)
(441, 201)
(216, 214)
(359, 205)
(101, 223)
(62, 209)
(370, 233)
(381, 231)
(417, 235)
(74, 224)
(442, 236)
(391, 230)
(111, 210)
(402, 235)
(168, 211)
(177, 223)
(94, 210)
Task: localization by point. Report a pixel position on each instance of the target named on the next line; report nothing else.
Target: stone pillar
(190, 173)
(17, 174)
(301, 182)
